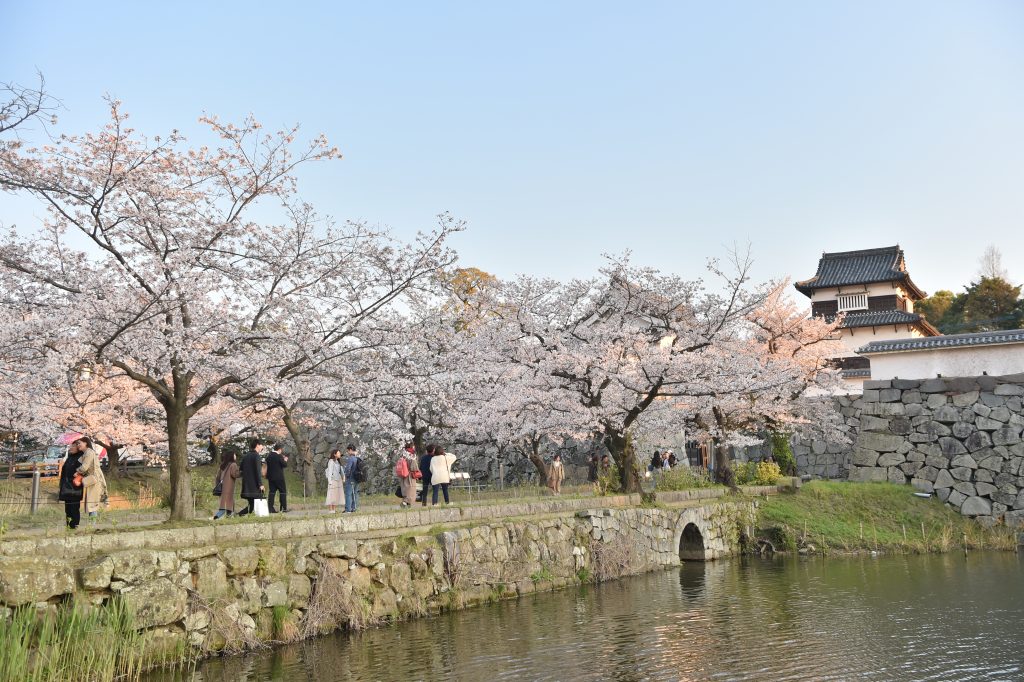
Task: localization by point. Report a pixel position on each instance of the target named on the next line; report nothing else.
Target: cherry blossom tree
(624, 344)
(191, 269)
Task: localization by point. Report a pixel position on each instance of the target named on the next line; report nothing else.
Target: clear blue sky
(561, 130)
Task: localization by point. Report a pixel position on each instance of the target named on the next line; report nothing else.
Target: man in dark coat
(252, 477)
(277, 462)
(68, 493)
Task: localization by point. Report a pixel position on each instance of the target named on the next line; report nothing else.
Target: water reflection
(898, 618)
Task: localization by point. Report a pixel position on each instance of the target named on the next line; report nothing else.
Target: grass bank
(855, 517)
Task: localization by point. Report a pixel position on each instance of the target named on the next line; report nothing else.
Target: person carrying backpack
(355, 473)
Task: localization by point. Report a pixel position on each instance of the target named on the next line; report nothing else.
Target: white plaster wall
(876, 289)
(949, 362)
(858, 337)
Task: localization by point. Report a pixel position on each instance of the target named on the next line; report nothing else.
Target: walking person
(355, 473)
(592, 469)
(440, 473)
(252, 478)
(70, 493)
(405, 469)
(226, 477)
(277, 462)
(335, 481)
(94, 482)
(425, 471)
(556, 474)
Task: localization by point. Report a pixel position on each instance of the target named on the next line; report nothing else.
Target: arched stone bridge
(696, 532)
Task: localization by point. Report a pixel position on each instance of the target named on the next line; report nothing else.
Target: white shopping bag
(260, 507)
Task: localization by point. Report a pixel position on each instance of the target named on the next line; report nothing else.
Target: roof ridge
(862, 252)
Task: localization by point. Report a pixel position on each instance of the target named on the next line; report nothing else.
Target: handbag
(417, 474)
(260, 507)
(76, 480)
(218, 487)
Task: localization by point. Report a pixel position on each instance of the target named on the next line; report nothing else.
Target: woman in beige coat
(228, 474)
(556, 474)
(93, 480)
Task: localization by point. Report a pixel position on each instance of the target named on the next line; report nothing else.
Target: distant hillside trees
(988, 304)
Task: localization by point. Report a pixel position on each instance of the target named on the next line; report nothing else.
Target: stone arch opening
(691, 544)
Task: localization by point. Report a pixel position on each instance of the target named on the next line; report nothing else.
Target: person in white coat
(335, 481)
(440, 473)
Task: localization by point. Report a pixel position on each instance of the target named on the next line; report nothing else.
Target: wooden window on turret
(848, 302)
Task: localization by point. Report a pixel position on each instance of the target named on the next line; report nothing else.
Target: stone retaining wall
(252, 583)
(820, 457)
(960, 438)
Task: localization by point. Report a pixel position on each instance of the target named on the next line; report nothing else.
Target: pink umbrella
(71, 436)
(68, 438)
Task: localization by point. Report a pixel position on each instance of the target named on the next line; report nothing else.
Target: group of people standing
(662, 461)
(344, 474)
(252, 470)
(81, 482)
(433, 469)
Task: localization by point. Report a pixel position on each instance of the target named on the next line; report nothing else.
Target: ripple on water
(894, 618)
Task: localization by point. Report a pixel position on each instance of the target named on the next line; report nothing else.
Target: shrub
(683, 478)
(782, 451)
(757, 473)
(608, 483)
(767, 473)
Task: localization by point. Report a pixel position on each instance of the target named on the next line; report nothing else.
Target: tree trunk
(113, 460)
(303, 451)
(538, 462)
(620, 446)
(181, 502)
(723, 467)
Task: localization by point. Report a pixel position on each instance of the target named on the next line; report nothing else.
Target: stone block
(935, 400)
(951, 447)
(943, 493)
(896, 475)
(946, 414)
(911, 468)
(864, 458)
(965, 487)
(889, 395)
(870, 396)
(992, 463)
(900, 426)
(1006, 435)
(913, 409)
(911, 397)
(241, 560)
(890, 459)
(922, 485)
(138, 565)
(210, 579)
(963, 430)
(985, 489)
(870, 423)
(978, 440)
(976, 506)
(25, 580)
(879, 442)
(981, 410)
(906, 384)
(1000, 414)
(943, 479)
(877, 384)
(97, 574)
(965, 399)
(156, 602)
(963, 461)
(986, 424)
(1008, 389)
(275, 594)
(956, 498)
(992, 400)
(960, 473)
(933, 386)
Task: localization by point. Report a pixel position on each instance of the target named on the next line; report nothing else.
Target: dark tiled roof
(877, 318)
(950, 341)
(848, 268)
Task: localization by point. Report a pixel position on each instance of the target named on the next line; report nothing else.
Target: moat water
(945, 617)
